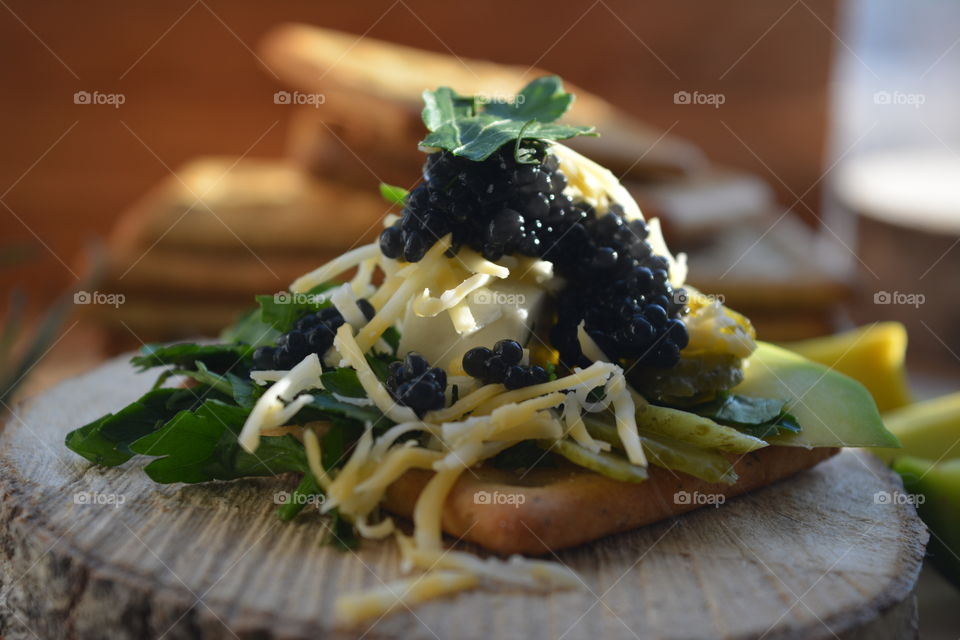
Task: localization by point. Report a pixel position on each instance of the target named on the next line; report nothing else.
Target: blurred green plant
(19, 355)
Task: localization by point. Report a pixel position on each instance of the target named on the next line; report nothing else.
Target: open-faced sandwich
(517, 363)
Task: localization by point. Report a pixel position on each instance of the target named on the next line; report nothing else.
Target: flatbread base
(551, 509)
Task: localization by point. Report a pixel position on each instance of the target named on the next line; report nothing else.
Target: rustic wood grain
(812, 557)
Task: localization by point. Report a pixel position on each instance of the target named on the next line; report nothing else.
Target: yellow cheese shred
(353, 354)
(354, 608)
(335, 267)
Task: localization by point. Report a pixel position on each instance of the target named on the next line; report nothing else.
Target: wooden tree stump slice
(814, 556)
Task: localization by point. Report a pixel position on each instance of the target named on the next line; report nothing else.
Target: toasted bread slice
(547, 509)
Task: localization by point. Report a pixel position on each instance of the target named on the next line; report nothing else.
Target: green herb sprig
(475, 127)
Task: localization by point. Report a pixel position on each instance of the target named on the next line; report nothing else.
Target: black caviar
(498, 206)
(621, 291)
(413, 383)
(502, 364)
(616, 285)
(312, 333)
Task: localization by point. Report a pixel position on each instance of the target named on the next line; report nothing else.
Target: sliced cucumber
(606, 464)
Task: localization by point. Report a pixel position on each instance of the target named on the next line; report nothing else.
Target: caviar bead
(263, 357)
(475, 361)
(414, 246)
(516, 377)
(413, 383)
(509, 351)
(391, 242)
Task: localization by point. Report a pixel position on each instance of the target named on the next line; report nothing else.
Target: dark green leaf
(201, 445)
(392, 337)
(393, 194)
(241, 389)
(281, 310)
(783, 422)
(107, 441)
(543, 99)
(218, 357)
(343, 381)
(341, 533)
(737, 409)
(758, 417)
(524, 455)
(324, 407)
(250, 329)
(474, 128)
(298, 499)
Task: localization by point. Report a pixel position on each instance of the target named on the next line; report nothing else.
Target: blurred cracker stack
(187, 266)
(192, 253)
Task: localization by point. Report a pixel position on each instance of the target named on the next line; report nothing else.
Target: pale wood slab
(811, 557)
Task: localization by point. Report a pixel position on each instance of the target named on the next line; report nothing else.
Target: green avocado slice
(832, 409)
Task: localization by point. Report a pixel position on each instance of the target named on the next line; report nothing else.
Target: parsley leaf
(758, 417)
(281, 310)
(218, 357)
(201, 445)
(393, 194)
(474, 128)
(107, 441)
(250, 329)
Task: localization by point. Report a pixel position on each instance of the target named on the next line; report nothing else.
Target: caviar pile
(621, 291)
(502, 364)
(499, 206)
(313, 333)
(414, 384)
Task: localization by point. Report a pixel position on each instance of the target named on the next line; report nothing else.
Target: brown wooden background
(193, 86)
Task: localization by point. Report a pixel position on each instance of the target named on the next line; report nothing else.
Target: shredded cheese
(465, 404)
(393, 308)
(353, 355)
(354, 608)
(335, 267)
(270, 410)
(345, 302)
(312, 445)
(596, 371)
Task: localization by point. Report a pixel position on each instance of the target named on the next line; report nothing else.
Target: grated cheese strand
(270, 411)
(354, 608)
(465, 404)
(312, 445)
(393, 308)
(335, 267)
(353, 355)
(626, 414)
(429, 508)
(345, 302)
(594, 372)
